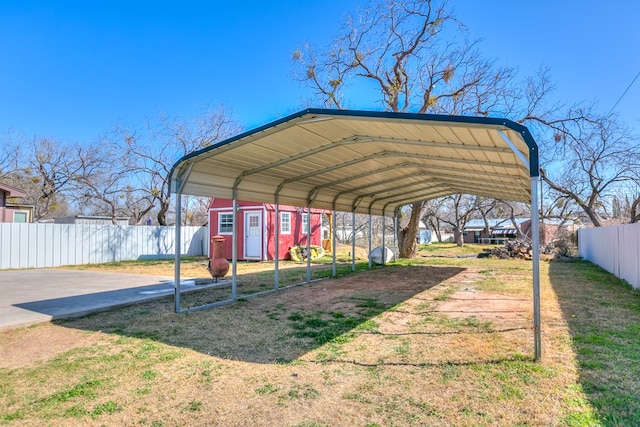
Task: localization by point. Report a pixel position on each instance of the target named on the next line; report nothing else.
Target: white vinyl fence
(615, 248)
(52, 245)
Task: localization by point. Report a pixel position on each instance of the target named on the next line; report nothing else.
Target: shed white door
(253, 235)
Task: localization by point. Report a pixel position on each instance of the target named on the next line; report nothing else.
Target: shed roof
(226, 204)
(364, 161)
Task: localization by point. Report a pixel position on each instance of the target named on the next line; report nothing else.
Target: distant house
(10, 208)
(91, 219)
(500, 230)
(256, 228)
(425, 235)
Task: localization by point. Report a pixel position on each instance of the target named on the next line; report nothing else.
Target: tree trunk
(521, 233)
(592, 214)
(162, 213)
(635, 211)
(458, 236)
(407, 235)
(435, 224)
(487, 226)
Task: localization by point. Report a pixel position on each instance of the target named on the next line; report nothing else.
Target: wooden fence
(52, 245)
(615, 248)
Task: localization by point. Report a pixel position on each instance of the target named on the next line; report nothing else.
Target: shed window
(285, 222)
(225, 223)
(305, 223)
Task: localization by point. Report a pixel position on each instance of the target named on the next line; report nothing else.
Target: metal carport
(366, 162)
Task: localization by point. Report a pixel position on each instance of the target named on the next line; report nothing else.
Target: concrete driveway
(40, 295)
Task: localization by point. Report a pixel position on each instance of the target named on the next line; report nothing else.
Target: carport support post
(395, 233)
(308, 242)
(178, 243)
(276, 245)
(234, 246)
(535, 239)
(370, 228)
(333, 244)
(384, 247)
(353, 241)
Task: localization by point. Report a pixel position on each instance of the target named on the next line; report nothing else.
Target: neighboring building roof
(20, 205)
(12, 191)
(503, 223)
(97, 219)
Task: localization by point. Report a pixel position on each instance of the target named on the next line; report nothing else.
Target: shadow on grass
(275, 327)
(252, 284)
(603, 315)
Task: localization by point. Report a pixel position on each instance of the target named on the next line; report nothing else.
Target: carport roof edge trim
(177, 172)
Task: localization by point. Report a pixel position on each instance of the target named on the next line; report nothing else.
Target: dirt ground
(24, 347)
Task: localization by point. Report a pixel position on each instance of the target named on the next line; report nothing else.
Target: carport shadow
(603, 316)
(275, 327)
(80, 305)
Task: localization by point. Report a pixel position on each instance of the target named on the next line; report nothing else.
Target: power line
(625, 92)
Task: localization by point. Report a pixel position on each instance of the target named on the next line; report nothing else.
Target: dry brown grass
(434, 342)
(196, 267)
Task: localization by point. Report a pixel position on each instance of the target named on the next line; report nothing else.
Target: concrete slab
(40, 295)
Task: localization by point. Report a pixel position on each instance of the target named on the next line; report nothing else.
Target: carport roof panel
(370, 162)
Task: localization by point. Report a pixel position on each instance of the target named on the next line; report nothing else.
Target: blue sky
(71, 70)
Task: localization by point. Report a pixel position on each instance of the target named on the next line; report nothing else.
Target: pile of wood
(513, 249)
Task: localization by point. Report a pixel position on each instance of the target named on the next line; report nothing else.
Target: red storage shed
(256, 228)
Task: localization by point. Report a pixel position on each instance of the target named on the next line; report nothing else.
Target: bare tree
(138, 204)
(460, 208)
(590, 158)
(345, 226)
(632, 196)
(485, 207)
(431, 214)
(150, 153)
(101, 186)
(195, 210)
(9, 159)
(514, 210)
(558, 207)
(124, 174)
(47, 175)
(415, 54)
(60, 178)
